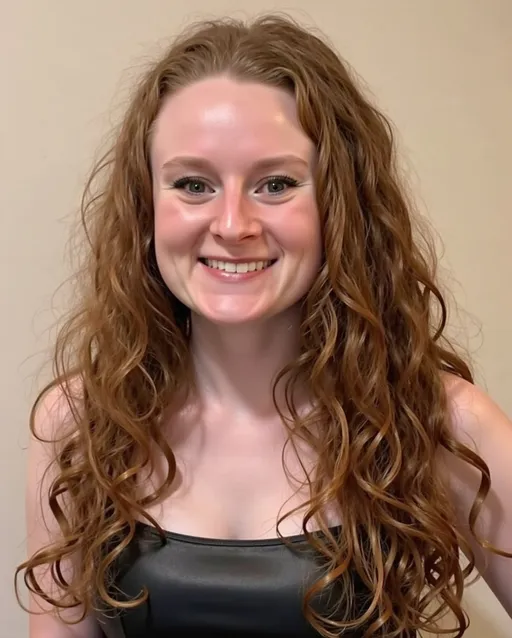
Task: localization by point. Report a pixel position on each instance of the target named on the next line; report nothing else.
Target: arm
(41, 525)
(480, 424)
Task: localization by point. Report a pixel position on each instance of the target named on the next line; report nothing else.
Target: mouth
(238, 267)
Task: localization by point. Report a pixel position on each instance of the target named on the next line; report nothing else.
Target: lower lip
(234, 276)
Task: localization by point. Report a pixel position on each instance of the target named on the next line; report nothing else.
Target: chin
(234, 317)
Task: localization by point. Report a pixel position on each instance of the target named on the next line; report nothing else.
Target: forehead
(222, 113)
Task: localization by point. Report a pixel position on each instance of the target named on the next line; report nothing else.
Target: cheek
(299, 231)
(175, 231)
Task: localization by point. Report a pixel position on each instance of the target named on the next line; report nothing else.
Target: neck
(236, 365)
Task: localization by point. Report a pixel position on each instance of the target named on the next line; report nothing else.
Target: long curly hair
(373, 348)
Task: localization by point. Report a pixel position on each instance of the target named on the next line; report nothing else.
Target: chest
(234, 481)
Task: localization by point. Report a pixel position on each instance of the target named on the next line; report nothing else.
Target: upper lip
(238, 260)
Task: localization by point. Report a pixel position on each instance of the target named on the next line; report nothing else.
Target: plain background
(441, 69)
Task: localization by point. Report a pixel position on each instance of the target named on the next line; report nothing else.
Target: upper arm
(42, 527)
(480, 424)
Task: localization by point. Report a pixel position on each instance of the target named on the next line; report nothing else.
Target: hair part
(372, 347)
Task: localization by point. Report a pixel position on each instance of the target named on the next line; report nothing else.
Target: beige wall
(440, 68)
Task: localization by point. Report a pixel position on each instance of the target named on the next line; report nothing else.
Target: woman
(257, 426)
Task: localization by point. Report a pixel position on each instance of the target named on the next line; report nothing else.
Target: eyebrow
(200, 163)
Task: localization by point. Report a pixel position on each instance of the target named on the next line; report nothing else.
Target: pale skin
(228, 442)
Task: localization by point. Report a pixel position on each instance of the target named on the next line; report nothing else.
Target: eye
(197, 185)
(277, 184)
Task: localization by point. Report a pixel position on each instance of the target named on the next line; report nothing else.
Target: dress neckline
(231, 542)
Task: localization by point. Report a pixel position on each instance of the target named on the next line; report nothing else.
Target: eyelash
(183, 181)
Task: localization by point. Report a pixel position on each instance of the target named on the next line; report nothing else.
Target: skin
(237, 213)
(228, 440)
(236, 324)
(483, 426)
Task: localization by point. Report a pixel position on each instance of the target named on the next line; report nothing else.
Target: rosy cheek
(166, 214)
(177, 225)
(299, 223)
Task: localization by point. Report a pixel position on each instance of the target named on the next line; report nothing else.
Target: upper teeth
(230, 266)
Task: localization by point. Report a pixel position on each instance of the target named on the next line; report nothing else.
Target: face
(237, 232)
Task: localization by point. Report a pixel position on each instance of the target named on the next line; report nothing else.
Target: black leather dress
(205, 587)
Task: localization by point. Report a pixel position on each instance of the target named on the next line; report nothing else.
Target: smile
(237, 267)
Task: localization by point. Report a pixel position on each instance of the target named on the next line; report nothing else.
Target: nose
(235, 219)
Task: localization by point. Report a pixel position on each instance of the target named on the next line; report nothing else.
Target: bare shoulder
(52, 420)
(474, 415)
(479, 423)
(53, 414)
(476, 421)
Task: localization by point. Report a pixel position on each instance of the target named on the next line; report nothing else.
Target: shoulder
(52, 413)
(478, 423)
(472, 412)
(51, 421)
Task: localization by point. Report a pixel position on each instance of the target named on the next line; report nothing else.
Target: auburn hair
(373, 348)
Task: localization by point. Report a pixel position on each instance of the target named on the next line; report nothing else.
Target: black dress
(205, 587)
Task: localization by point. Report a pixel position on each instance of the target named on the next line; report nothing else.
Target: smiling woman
(227, 139)
(258, 426)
